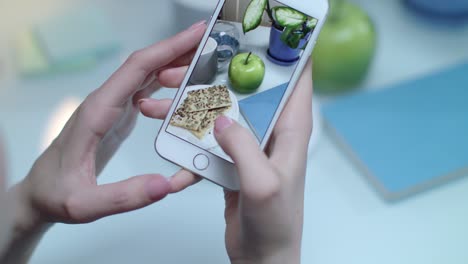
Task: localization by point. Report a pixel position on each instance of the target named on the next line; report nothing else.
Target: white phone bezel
(219, 170)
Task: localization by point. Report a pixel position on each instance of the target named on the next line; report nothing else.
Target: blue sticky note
(259, 109)
(410, 136)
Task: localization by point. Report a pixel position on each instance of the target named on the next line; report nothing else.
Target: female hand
(264, 220)
(62, 186)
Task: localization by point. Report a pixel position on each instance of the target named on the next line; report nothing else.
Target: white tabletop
(345, 220)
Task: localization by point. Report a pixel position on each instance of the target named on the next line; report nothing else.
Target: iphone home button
(201, 162)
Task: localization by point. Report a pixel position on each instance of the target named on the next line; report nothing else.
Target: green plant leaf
(253, 15)
(292, 36)
(287, 17)
(311, 23)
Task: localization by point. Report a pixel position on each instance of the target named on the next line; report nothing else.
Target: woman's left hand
(62, 186)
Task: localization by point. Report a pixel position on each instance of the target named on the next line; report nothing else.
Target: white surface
(345, 220)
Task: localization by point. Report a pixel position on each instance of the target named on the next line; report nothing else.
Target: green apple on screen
(345, 48)
(246, 72)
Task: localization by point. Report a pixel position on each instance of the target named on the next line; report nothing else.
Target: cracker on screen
(208, 98)
(208, 122)
(190, 121)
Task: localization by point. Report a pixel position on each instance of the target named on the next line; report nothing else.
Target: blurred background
(372, 57)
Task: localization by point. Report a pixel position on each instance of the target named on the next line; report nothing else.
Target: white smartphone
(245, 76)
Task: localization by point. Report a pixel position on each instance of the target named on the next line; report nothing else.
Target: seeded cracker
(190, 121)
(208, 122)
(206, 99)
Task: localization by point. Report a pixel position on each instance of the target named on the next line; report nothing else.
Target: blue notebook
(409, 137)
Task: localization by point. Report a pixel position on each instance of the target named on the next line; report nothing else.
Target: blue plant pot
(279, 52)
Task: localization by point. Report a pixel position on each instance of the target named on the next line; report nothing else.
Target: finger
(101, 109)
(130, 76)
(251, 163)
(153, 108)
(183, 60)
(293, 129)
(172, 78)
(297, 113)
(115, 198)
(169, 78)
(182, 180)
(146, 92)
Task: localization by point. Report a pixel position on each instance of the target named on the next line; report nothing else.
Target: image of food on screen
(243, 71)
(200, 105)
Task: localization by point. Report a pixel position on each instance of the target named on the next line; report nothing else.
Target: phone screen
(243, 76)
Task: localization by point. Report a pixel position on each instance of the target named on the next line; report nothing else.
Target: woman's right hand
(264, 220)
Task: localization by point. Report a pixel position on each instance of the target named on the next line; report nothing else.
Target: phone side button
(201, 162)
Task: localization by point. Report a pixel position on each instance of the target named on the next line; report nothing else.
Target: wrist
(27, 219)
(28, 226)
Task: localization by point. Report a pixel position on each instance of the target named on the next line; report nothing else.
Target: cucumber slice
(253, 15)
(287, 17)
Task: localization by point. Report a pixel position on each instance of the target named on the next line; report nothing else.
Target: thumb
(252, 164)
(109, 199)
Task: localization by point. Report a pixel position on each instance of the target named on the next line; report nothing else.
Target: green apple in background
(246, 72)
(345, 48)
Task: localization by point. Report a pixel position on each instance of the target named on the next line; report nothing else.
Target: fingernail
(142, 101)
(222, 123)
(157, 188)
(196, 25)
